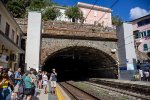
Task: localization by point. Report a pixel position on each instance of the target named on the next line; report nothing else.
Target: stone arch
(51, 45)
(85, 58)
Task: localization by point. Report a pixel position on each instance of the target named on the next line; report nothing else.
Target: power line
(110, 7)
(91, 9)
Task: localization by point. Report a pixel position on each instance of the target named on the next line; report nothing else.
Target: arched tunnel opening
(81, 63)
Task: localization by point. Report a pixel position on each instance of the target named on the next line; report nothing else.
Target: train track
(141, 97)
(78, 94)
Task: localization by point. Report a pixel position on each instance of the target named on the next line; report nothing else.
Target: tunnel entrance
(81, 63)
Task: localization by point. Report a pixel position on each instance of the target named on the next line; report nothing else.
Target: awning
(9, 44)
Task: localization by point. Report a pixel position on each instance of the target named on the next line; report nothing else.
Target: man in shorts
(53, 79)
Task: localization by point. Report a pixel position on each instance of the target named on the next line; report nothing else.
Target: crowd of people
(23, 86)
(144, 75)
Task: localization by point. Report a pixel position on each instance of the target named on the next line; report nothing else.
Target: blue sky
(126, 9)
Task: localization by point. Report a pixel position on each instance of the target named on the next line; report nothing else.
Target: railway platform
(134, 86)
(60, 94)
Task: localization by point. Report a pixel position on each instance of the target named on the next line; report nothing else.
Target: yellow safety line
(59, 94)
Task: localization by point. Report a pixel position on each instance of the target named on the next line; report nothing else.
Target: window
(0, 19)
(144, 33)
(145, 47)
(148, 32)
(12, 35)
(7, 29)
(95, 13)
(137, 35)
(17, 40)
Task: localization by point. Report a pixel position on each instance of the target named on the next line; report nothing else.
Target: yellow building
(10, 39)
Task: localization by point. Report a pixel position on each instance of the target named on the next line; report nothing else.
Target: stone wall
(60, 28)
(52, 45)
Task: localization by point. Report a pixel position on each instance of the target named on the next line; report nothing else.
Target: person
(33, 77)
(18, 76)
(17, 82)
(29, 85)
(53, 79)
(141, 74)
(146, 75)
(10, 72)
(45, 82)
(39, 80)
(5, 89)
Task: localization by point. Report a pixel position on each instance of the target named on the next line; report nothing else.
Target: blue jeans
(4, 92)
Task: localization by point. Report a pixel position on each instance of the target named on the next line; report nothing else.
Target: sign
(4, 58)
(123, 67)
(130, 67)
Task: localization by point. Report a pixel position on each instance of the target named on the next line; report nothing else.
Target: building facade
(98, 15)
(10, 40)
(141, 32)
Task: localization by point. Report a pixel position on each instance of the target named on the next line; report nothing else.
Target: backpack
(39, 77)
(12, 77)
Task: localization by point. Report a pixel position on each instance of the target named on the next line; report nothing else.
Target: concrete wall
(33, 42)
(126, 50)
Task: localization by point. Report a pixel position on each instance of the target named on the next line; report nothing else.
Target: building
(62, 17)
(98, 14)
(10, 40)
(126, 51)
(141, 32)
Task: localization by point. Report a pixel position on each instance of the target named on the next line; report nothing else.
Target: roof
(140, 18)
(81, 4)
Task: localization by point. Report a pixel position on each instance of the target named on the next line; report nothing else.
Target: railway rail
(76, 93)
(139, 96)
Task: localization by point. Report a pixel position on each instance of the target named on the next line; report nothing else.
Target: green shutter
(145, 47)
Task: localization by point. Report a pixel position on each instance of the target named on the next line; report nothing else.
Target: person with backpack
(5, 83)
(29, 85)
(17, 81)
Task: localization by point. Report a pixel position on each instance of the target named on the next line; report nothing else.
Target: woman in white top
(45, 82)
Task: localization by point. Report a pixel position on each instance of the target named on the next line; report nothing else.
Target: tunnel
(81, 63)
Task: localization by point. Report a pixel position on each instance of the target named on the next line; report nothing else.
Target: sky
(127, 10)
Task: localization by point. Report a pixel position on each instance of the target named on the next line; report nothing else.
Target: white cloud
(138, 12)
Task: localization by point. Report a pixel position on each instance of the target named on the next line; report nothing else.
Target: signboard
(130, 67)
(4, 58)
(123, 67)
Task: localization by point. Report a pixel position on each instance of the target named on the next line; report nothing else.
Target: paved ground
(42, 96)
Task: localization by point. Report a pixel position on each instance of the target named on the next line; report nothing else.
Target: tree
(116, 20)
(17, 8)
(74, 13)
(51, 14)
(37, 5)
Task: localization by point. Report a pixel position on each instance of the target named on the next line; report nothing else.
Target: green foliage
(17, 8)
(51, 14)
(116, 20)
(37, 5)
(74, 13)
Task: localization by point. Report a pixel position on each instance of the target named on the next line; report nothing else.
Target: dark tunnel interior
(81, 63)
